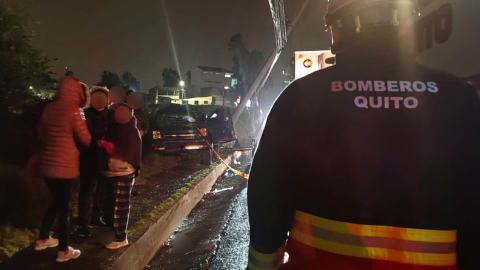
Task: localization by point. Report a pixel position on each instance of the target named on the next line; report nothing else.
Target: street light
(182, 84)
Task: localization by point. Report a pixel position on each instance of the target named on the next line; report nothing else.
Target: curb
(138, 254)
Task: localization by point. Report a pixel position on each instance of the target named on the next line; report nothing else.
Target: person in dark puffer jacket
(62, 129)
(92, 186)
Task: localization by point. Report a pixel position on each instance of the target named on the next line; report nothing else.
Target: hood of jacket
(73, 91)
(97, 89)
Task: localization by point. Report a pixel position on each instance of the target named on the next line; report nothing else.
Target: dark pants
(122, 189)
(91, 199)
(59, 206)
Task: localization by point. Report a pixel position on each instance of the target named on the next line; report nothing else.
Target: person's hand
(108, 146)
(100, 143)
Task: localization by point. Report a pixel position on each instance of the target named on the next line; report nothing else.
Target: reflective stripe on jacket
(411, 248)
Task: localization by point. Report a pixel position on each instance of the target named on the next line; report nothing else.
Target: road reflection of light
(222, 190)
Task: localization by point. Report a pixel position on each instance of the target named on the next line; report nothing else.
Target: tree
(246, 65)
(255, 62)
(189, 78)
(170, 77)
(130, 81)
(21, 64)
(109, 79)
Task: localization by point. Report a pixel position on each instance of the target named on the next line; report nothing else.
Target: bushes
(12, 239)
(23, 200)
(18, 139)
(23, 197)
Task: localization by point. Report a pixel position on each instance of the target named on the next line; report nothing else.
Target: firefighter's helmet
(353, 16)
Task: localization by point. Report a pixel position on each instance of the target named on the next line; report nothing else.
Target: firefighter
(373, 163)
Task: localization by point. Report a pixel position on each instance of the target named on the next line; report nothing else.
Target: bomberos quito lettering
(390, 102)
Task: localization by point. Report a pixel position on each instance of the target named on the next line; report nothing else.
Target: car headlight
(203, 132)
(157, 135)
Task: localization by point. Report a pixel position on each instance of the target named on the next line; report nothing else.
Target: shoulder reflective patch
(403, 245)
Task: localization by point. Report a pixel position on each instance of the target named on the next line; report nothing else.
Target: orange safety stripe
(403, 245)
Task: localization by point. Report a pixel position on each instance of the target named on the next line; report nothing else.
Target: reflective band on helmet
(402, 245)
(261, 261)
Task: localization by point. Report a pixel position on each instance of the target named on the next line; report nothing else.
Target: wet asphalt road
(215, 235)
(233, 249)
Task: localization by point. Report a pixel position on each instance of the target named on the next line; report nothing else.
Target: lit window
(234, 82)
(228, 76)
(196, 102)
(205, 102)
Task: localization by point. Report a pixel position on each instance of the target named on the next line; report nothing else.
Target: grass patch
(177, 194)
(13, 239)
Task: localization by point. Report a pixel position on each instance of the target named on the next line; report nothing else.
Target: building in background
(177, 95)
(164, 94)
(206, 86)
(214, 83)
(45, 89)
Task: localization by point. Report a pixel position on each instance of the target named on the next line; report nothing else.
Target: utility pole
(266, 67)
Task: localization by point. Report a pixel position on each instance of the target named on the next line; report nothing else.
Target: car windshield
(176, 114)
(176, 119)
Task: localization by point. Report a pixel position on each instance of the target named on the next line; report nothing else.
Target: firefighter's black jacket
(333, 151)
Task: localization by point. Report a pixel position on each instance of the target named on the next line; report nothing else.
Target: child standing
(122, 144)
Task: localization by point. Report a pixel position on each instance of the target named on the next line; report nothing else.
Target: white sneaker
(117, 245)
(46, 243)
(70, 253)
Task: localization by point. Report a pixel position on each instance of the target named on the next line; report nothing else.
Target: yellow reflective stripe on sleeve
(251, 266)
(261, 261)
(374, 252)
(378, 231)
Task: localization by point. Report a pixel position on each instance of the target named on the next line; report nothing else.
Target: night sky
(90, 36)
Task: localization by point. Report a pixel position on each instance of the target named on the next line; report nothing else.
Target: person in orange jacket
(62, 130)
(378, 168)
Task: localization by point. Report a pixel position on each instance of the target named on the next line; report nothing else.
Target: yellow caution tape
(237, 172)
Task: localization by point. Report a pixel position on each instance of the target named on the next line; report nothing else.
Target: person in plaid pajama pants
(122, 190)
(121, 160)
